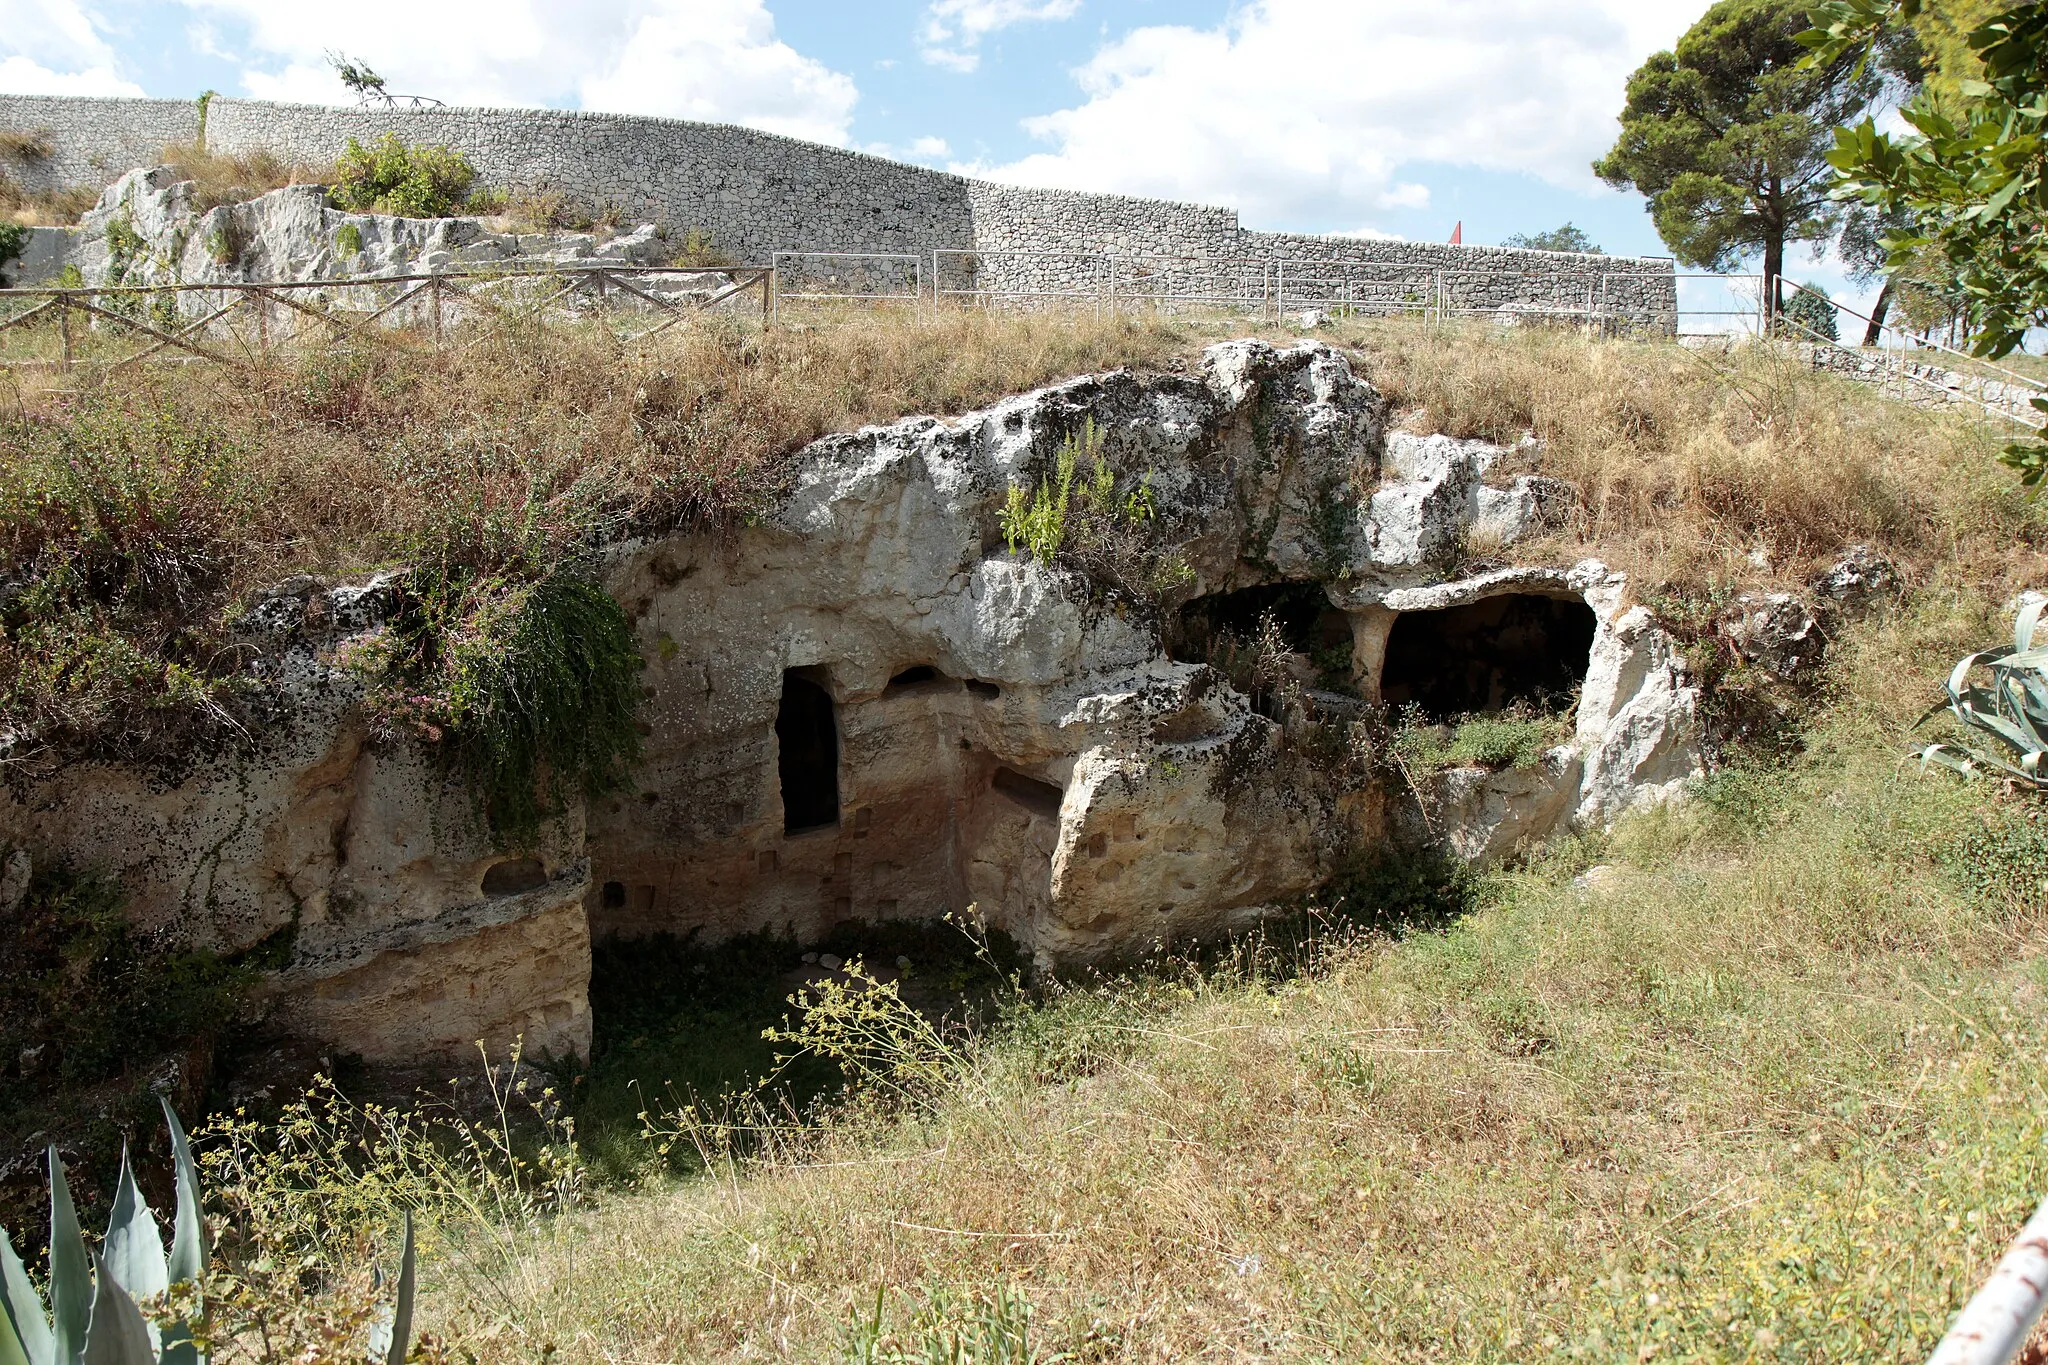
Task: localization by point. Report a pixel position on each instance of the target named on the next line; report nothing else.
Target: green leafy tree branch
(1970, 179)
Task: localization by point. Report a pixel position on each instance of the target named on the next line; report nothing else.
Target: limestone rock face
(358, 857)
(147, 230)
(868, 707)
(1777, 632)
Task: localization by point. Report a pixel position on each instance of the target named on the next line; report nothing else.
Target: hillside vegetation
(1767, 1085)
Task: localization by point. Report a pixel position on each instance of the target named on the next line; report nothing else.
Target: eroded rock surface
(869, 707)
(147, 229)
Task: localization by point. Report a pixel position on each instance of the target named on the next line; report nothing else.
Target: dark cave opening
(1215, 622)
(1033, 794)
(514, 876)
(807, 737)
(1222, 630)
(1488, 655)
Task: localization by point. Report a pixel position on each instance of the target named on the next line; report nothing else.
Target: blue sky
(1340, 116)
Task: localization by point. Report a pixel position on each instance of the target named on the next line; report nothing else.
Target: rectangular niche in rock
(807, 740)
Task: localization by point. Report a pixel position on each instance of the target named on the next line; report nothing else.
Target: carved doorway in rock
(807, 754)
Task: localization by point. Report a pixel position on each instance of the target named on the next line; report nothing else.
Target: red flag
(1458, 233)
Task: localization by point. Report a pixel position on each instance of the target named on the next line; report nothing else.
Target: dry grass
(149, 502)
(1690, 463)
(220, 180)
(230, 179)
(43, 208)
(1774, 1092)
(23, 145)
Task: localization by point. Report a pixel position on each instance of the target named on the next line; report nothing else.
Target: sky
(1395, 117)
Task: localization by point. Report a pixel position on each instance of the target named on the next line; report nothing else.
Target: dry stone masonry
(868, 707)
(757, 193)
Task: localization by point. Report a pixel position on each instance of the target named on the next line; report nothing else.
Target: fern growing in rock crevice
(1109, 535)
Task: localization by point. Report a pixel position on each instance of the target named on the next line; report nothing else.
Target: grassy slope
(1769, 1091)
(137, 509)
(1781, 1072)
(1772, 1091)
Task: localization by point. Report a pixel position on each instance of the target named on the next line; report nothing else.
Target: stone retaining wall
(757, 193)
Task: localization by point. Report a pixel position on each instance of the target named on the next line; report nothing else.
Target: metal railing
(1272, 287)
(225, 322)
(1994, 1325)
(843, 277)
(1997, 390)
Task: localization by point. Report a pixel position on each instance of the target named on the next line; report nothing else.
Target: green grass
(1516, 738)
(1772, 1089)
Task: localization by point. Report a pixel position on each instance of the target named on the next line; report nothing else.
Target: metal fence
(1273, 288)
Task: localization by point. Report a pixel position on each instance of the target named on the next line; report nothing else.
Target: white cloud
(953, 29)
(53, 47)
(930, 148)
(704, 59)
(1302, 111)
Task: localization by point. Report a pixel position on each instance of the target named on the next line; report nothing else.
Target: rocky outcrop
(148, 229)
(869, 707)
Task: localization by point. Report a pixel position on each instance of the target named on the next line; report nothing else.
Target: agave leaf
(134, 1249)
(70, 1271)
(12, 1352)
(188, 1243)
(401, 1326)
(2025, 626)
(2013, 710)
(22, 1307)
(119, 1334)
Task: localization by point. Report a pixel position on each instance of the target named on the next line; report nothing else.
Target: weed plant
(93, 1010)
(1080, 518)
(1518, 737)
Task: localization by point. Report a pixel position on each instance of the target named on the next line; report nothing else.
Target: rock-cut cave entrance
(1222, 630)
(1488, 655)
(807, 759)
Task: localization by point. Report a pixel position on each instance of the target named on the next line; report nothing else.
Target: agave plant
(2013, 710)
(93, 1317)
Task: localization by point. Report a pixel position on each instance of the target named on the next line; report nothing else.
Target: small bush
(13, 242)
(1402, 889)
(2002, 862)
(118, 528)
(411, 181)
(1811, 315)
(698, 248)
(90, 995)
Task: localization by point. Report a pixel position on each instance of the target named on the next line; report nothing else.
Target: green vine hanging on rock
(529, 686)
